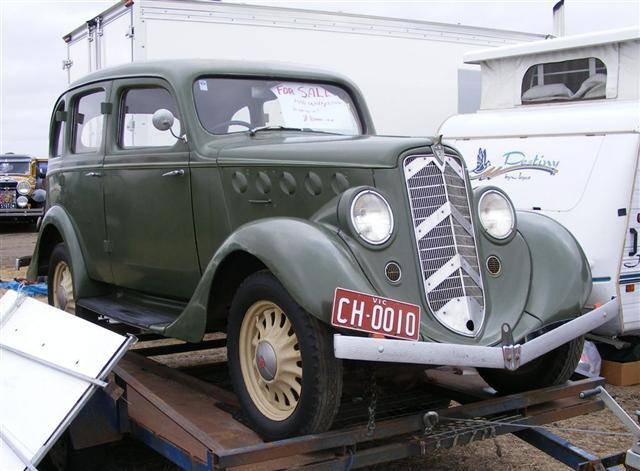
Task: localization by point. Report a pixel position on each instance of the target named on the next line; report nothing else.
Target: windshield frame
(359, 115)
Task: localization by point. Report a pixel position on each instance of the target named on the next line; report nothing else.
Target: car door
(147, 192)
(75, 170)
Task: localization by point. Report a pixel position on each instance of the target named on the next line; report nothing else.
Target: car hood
(309, 149)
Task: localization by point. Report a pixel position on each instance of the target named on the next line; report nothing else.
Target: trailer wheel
(556, 367)
(60, 289)
(281, 361)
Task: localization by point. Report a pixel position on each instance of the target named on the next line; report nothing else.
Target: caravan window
(571, 80)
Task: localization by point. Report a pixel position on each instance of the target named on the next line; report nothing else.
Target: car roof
(177, 70)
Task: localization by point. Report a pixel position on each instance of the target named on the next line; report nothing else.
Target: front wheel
(281, 361)
(555, 367)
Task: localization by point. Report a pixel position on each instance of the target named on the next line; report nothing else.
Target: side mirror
(162, 119)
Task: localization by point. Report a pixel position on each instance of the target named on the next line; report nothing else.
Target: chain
(543, 427)
(373, 403)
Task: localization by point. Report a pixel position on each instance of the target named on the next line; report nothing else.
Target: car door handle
(93, 174)
(174, 173)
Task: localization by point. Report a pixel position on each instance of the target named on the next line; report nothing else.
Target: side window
(136, 125)
(571, 80)
(87, 122)
(57, 137)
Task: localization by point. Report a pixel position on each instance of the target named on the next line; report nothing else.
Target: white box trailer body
(411, 72)
(566, 153)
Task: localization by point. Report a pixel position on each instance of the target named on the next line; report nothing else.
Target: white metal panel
(116, 40)
(410, 85)
(630, 265)
(36, 401)
(80, 55)
(597, 117)
(408, 70)
(555, 44)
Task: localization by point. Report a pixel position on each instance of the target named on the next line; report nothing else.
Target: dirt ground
(503, 453)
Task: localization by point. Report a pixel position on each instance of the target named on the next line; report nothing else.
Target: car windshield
(231, 105)
(12, 167)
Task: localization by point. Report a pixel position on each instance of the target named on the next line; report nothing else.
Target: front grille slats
(456, 300)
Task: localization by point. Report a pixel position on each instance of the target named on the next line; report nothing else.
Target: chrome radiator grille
(445, 239)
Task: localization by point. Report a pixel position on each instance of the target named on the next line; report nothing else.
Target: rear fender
(308, 259)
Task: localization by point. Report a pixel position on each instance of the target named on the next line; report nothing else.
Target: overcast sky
(31, 48)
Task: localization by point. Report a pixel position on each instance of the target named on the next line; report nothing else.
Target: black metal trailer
(189, 416)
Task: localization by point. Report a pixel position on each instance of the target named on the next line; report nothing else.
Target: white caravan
(411, 72)
(558, 130)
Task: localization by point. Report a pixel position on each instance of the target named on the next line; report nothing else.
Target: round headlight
(496, 214)
(24, 188)
(22, 201)
(372, 217)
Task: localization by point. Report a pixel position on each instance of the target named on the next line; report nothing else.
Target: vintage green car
(192, 196)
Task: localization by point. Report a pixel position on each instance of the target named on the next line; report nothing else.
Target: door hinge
(130, 32)
(108, 246)
(67, 64)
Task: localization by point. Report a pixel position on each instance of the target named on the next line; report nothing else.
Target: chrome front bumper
(509, 357)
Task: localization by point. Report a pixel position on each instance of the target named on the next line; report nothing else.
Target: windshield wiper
(253, 131)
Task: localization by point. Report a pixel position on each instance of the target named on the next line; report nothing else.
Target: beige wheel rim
(270, 360)
(63, 297)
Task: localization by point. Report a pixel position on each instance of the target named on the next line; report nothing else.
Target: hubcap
(270, 360)
(266, 360)
(63, 288)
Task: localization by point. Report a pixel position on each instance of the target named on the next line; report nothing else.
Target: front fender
(56, 219)
(560, 273)
(308, 259)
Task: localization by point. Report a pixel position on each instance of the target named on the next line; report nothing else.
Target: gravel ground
(503, 453)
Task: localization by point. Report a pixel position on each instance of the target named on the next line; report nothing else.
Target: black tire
(58, 254)
(556, 367)
(321, 382)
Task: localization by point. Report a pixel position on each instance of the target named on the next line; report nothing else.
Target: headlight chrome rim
(387, 237)
(23, 188)
(509, 234)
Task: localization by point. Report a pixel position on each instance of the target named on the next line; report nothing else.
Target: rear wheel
(60, 289)
(281, 361)
(555, 367)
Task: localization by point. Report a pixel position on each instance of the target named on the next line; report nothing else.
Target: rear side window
(57, 137)
(571, 80)
(136, 118)
(87, 122)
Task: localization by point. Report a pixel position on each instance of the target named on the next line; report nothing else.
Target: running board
(141, 313)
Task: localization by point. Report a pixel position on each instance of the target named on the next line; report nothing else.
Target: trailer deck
(190, 416)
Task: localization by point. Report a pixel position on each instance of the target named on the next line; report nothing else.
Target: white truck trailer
(559, 131)
(411, 72)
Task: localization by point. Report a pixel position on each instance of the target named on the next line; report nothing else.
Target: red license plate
(376, 315)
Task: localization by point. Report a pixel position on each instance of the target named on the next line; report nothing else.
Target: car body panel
(309, 259)
(57, 220)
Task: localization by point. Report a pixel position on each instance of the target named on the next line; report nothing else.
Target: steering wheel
(232, 122)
